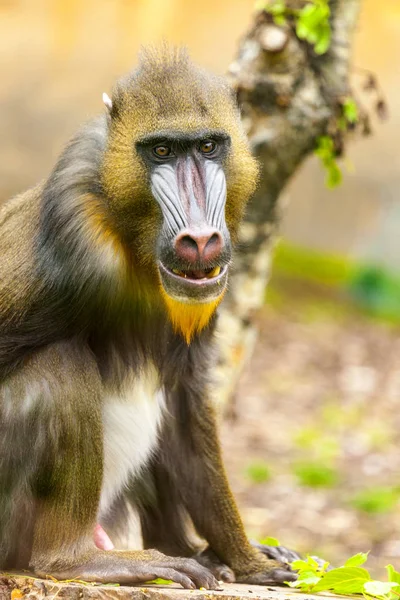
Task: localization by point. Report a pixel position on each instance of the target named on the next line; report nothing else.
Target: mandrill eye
(162, 151)
(207, 147)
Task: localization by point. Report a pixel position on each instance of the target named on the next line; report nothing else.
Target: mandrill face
(188, 182)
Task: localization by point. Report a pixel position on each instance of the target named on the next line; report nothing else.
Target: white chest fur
(131, 423)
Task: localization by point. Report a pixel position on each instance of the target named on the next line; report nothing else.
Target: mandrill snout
(199, 246)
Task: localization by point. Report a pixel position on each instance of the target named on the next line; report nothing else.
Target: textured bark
(288, 96)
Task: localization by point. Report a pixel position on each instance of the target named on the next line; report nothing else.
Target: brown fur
(82, 316)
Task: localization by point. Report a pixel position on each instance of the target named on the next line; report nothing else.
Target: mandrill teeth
(198, 274)
(216, 271)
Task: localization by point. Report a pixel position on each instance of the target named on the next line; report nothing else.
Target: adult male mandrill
(111, 272)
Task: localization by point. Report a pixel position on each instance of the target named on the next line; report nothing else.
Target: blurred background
(312, 438)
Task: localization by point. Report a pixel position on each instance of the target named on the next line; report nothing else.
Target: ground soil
(322, 389)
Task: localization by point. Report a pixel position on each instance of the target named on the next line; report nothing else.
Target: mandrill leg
(166, 523)
(194, 460)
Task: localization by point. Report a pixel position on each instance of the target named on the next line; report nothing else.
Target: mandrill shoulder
(51, 258)
(19, 223)
(27, 219)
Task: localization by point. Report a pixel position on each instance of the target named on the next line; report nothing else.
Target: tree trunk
(288, 96)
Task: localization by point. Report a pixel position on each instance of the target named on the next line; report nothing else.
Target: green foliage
(349, 114)
(313, 25)
(376, 289)
(393, 575)
(347, 580)
(380, 589)
(270, 541)
(325, 151)
(376, 500)
(372, 288)
(357, 560)
(276, 8)
(350, 110)
(311, 21)
(258, 472)
(315, 474)
(309, 265)
(315, 438)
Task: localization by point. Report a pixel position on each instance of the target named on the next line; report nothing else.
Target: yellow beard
(189, 319)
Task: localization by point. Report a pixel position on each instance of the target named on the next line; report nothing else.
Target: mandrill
(111, 273)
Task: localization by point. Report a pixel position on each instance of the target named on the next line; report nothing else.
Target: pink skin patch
(101, 539)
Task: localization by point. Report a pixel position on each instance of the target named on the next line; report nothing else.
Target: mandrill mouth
(205, 274)
(194, 285)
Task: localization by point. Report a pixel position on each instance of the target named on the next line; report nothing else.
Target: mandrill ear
(111, 105)
(107, 102)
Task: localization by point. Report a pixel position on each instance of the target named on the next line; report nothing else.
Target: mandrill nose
(197, 246)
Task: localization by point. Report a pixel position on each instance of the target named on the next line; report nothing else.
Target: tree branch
(288, 95)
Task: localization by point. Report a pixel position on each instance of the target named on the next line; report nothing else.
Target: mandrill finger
(221, 571)
(175, 576)
(202, 576)
(283, 575)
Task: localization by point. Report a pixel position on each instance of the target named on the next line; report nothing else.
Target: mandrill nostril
(186, 248)
(188, 243)
(213, 247)
(204, 246)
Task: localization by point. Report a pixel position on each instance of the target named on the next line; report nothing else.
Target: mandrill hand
(281, 553)
(284, 554)
(261, 570)
(264, 571)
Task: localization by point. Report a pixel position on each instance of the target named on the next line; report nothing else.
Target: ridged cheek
(216, 194)
(164, 187)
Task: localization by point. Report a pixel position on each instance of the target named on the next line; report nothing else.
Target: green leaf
(306, 583)
(307, 575)
(301, 30)
(160, 581)
(279, 20)
(315, 473)
(277, 7)
(305, 565)
(334, 176)
(324, 40)
(357, 559)
(270, 541)
(345, 580)
(325, 150)
(392, 574)
(273, 7)
(350, 110)
(258, 472)
(313, 25)
(377, 500)
(379, 588)
(325, 146)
